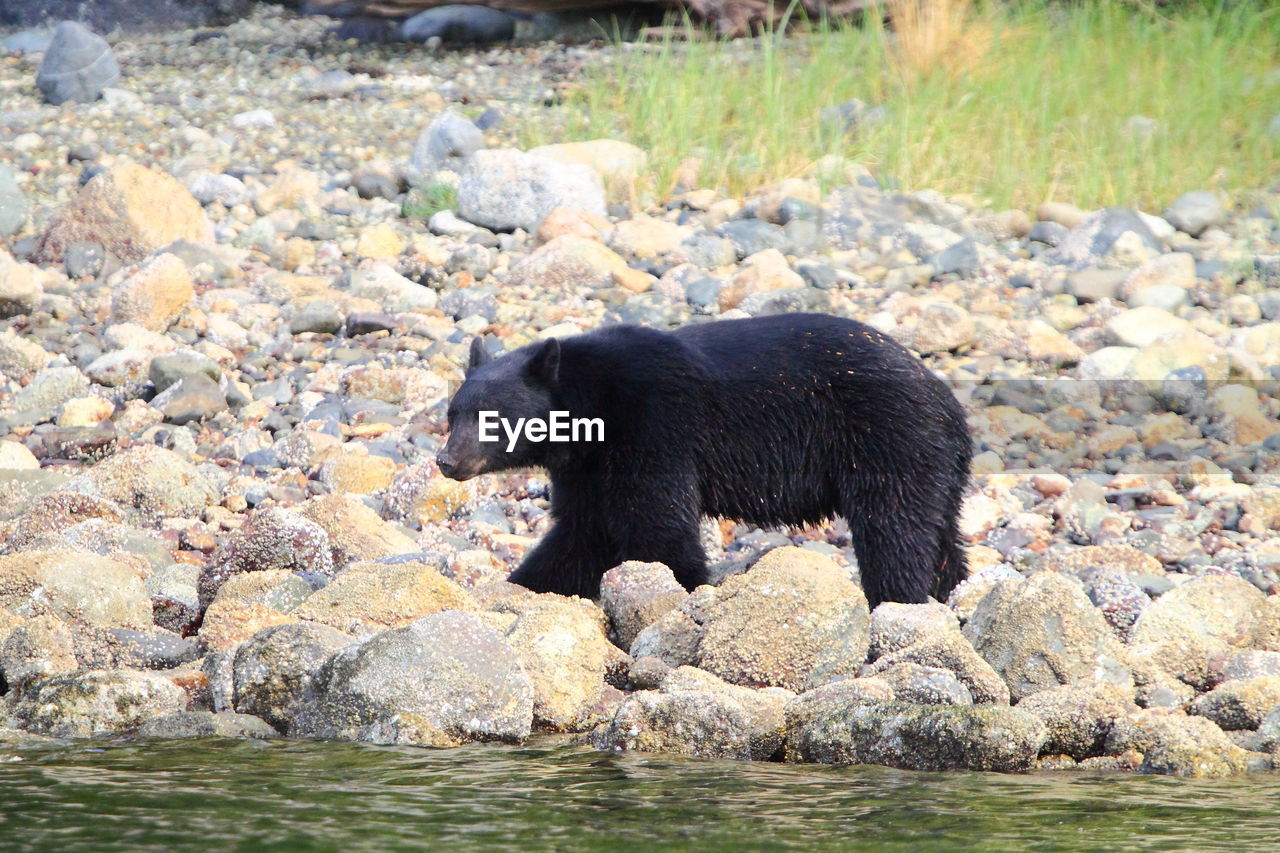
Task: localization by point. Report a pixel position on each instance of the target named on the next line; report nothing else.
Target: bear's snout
(455, 469)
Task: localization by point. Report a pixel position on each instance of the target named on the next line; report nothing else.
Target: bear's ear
(479, 355)
(545, 363)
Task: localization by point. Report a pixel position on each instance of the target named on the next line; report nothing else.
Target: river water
(235, 795)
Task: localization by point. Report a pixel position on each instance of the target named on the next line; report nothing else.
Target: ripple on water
(306, 796)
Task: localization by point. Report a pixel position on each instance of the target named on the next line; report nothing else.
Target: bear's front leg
(564, 563)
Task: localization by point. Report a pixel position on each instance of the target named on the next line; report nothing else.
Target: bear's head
(495, 399)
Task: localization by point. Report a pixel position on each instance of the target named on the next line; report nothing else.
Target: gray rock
(1193, 212)
(273, 670)
(961, 258)
(943, 326)
(27, 41)
(174, 601)
(561, 647)
(1043, 631)
(37, 648)
(189, 724)
(391, 290)
(84, 260)
(446, 223)
(786, 301)
(170, 368)
(13, 204)
(914, 737)
(152, 649)
(193, 398)
(749, 236)
(1198, 620)
(208, 187)
(370, 185)
(319, 315)
(949, 650)
(635, 595)
(895, 626)
(470, 258)
(709, 251)
(446, 141)
(695, 713)
(96, 703)
(703, 292)
(460, 24)
(1094, 285)
(1049, 233)
(271, 538)
(446, 679)
(1239, 704)
(1078, 717)
(1095, 240)
(793, 620)
(1174, 744)
(504, 189)
(925, 685)
(77, 66)
(471, 301)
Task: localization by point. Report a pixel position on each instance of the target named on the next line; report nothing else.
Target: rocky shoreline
(233, 311)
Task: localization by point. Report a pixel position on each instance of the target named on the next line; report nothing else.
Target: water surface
(232, 795)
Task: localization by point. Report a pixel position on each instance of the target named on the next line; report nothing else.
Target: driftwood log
(729, 17)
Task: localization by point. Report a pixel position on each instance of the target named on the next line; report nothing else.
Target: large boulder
(368, 598)
(81, 588)
(1198, 621)
(270, 539)
(1174, 744)
(355, 531)
(695, 713)
(273, 670)
(895, 626)
(35, 648)
(1078, 717)
(97, 703)
(914, 737)
(249, 602)
(153, 482)
(1239, 704)
(503, 189)
(793, 620)
(446, 679)
(952, 652)
(637, 594)
(1044, 631)
(130, 211)
(77, 65)
(561, 646)
(203, 724)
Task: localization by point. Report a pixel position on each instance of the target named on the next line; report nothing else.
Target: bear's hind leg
(898, 544)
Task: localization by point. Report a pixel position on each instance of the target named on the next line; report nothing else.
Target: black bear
(787, 419)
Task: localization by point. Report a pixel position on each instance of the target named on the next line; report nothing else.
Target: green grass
(429, 198)
(1032, 104)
